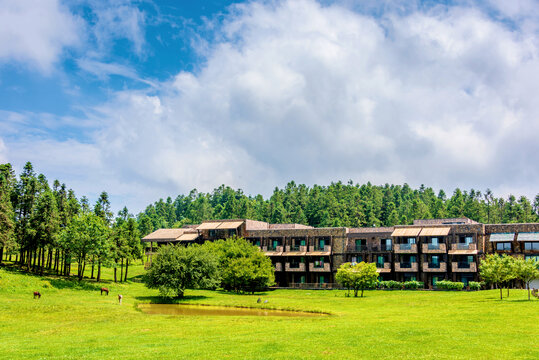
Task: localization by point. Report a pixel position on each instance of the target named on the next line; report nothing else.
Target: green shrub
(412, 285)
(449, 285)
(390, 284)
(474, 285)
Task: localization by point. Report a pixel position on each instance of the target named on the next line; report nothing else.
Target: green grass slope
(73, 321)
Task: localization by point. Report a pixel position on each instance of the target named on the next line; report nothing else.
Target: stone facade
(428, 250)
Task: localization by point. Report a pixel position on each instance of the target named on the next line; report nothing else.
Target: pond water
(198, 310)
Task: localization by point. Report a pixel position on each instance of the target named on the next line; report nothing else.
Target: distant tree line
(48, 228)
(338, 204)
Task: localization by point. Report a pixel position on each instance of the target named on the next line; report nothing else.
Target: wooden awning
(528, 236)
(188, 237)
(435, 231)
(230, 225)
(209, 225)
(497, 237)
(406, 232)
(163, 235)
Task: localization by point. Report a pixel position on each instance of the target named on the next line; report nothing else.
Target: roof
(209, 225)
(371, 230)
(435, 231)
(165, 235)
(230, 225)
(411, 231)
(502, 237)
(528, 236)
(188, 237)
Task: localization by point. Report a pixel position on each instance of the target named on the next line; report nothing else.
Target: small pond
(203, 310)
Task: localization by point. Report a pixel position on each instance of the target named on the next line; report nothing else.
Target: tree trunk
(507, 291)
(42, 261)
(361, 292)
(122, 271)
(83, 268)
(1, 254)
(115, 273)
(126, 268)
(29, 260)
(501, 294)
(93, 264)
(98, 270)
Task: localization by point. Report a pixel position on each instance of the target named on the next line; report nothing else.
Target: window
(212, 233)
(503, 246)
(231, 232)
(534, 257)
(411, 240)
(434, 261)
(322, 280)
(386, 244)
(361, 244)
(531, 245)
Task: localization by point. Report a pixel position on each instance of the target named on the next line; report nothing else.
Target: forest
(44, 226)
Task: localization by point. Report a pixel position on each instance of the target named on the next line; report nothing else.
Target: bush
(412, 285)
(390, 284)
(449, 285)
(474, 285)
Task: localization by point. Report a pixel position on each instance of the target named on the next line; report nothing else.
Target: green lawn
(73, 321)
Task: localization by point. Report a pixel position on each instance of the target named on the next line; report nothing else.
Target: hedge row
(407, 285)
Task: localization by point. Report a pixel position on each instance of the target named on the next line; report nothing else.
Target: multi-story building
(308, 257)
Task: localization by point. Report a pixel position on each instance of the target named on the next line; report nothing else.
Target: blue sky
(148, 99)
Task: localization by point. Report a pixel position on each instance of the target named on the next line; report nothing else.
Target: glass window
(504, 246)
(531, 245)
(411, 240)
(434, 241)
(435, 259)
(412, 259)
(534, 257)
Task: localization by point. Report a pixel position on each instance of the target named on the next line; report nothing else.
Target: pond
(204, 310)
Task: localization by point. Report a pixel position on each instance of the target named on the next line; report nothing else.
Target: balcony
(406, 266)
(357, 248)
(295, 250)
(435, 267)
(272, 250)
(405, 248)
(294, 267)
(278, 267)
(459, 246)
(463, 267)
(433, 248)
(323, 268)
(383, 267)
(326, 250)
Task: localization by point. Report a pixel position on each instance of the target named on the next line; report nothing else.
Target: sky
(148, 99)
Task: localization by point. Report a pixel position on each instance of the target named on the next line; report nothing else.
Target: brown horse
(120, 297)
(104, 289)
(37, 294)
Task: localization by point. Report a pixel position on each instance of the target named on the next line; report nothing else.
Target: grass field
(72, 321)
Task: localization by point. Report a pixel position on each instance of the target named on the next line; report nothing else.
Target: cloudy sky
(148, 99)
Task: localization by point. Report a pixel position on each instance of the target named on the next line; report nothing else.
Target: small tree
(177, 268)
(357, 277)
(495, 269)
(527, 270)
(243, 267)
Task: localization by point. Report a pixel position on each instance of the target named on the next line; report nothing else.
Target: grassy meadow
(73, 321)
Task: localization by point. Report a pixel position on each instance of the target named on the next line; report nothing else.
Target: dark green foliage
(413, 285)
(474, 285)
(450, 285)
(337, 204)
(176, 268)
(243, 267)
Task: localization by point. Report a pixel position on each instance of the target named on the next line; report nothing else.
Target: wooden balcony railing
(299, 267)
(472, 246)
(430, 267)
(433, 248)
(383, 267)
(296, 248)
(406, 267)
(323, 268)
(278, 267)
(463, 267)
(326, 248)
(405, 248)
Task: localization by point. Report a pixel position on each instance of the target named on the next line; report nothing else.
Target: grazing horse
(38, 294)
(120, 297)
(104, 289)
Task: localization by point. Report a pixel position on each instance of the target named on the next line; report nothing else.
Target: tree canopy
(357, 277)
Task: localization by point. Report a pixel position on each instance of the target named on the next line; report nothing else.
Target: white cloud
(296, 90)
(118, 19)
(36, 32)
